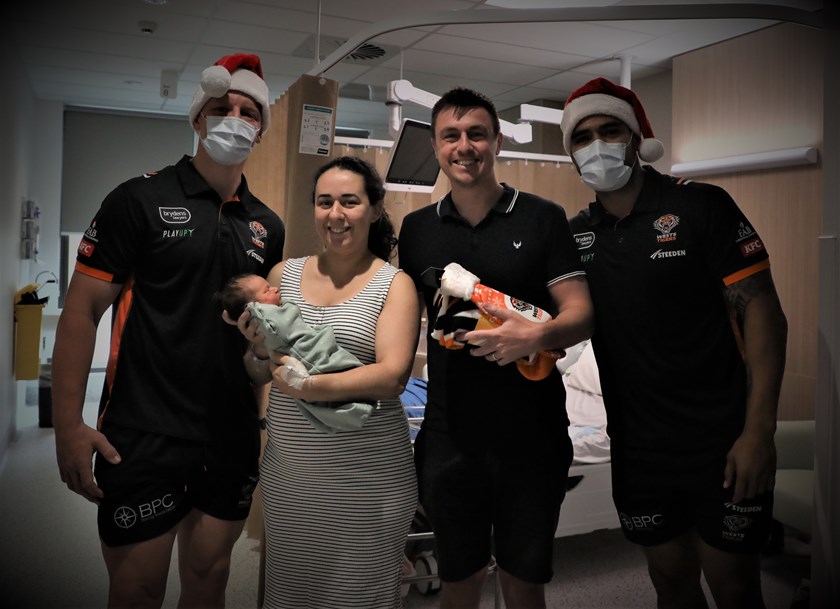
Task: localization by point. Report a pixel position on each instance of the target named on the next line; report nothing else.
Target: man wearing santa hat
(177, 438)
(690, 344)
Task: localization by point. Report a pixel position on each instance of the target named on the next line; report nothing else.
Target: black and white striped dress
(337, 507)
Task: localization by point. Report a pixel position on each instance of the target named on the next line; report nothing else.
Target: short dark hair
(233, 297)
(463, 100)
(382, 239)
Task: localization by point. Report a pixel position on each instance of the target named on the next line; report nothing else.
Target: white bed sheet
(588, 505)
(585, 406)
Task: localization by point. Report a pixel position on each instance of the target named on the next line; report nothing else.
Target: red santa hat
(238, 72)
(601, 96)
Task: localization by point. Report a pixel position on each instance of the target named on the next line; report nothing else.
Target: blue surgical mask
(602, 167)
(229, 139)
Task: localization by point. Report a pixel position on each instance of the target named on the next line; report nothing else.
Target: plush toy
(455, 317)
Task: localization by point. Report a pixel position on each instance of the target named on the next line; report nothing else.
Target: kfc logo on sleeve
(86, 248)
(753, 246)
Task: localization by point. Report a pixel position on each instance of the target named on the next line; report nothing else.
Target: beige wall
(770, 98)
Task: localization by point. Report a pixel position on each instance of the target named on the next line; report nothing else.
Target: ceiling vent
(367, 53)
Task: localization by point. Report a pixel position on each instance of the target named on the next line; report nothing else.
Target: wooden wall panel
(264, 168)
(558, 182)
(756, 93)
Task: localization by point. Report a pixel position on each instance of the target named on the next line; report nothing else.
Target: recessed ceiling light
(160, 2)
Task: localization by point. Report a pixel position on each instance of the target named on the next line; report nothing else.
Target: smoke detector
(147, 27)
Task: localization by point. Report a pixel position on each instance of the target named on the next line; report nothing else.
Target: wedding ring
(493, 355)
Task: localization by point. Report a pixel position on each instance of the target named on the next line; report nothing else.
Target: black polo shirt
(521, 248)
(672, 375)
(175, 367)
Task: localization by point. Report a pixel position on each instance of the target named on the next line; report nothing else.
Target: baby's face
(262, 291)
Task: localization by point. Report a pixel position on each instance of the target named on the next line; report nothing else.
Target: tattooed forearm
(741, 292)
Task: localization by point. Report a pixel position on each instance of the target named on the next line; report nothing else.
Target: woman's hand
(290, 376)
(293, 372)
(250, 332)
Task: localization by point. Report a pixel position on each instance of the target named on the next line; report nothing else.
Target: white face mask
(229, 139)
(602, 166)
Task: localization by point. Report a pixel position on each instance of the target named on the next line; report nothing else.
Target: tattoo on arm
(739, 294)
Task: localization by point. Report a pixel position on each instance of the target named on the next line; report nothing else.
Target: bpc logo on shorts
(641, 522)
(125, 517)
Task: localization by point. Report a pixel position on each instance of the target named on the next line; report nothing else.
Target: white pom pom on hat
(601, 96)
(238, 72)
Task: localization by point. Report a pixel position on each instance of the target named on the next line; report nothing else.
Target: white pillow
(584, 373)
(572, 354)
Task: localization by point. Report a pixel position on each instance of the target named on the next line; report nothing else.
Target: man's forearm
(72, 356)
(765, 344)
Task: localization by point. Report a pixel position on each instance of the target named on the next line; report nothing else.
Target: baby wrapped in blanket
(311, 350)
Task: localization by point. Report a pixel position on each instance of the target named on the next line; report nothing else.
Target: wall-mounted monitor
(412, 166)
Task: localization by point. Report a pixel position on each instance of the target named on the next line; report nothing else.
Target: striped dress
(337, 507)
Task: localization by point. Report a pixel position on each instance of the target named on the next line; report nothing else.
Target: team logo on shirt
(666, 225)
(749, 242)
(258, 233)
(174, 215)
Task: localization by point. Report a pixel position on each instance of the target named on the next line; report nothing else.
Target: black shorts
(656, 510)
(481, 505)
(161, 478)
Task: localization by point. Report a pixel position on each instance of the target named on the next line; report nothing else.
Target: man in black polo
(493, 452)
(678, 277)
(177, 438)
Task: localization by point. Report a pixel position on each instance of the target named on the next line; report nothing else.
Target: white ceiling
(93, 53)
